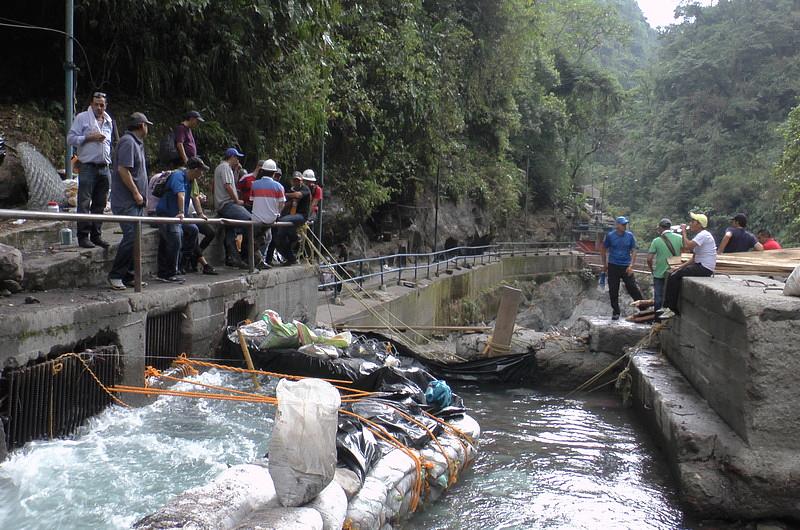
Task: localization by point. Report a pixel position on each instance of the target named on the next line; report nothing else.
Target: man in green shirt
(666, 245)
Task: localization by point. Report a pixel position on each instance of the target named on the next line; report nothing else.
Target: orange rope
(96, 379)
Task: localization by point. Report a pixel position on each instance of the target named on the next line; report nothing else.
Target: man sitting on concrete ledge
(702, 263)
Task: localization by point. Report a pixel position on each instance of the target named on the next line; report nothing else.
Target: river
(545, 462)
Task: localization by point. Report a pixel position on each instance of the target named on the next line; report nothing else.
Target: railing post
(137, 257)
(428, 273)
(380, 266)
(251, 247)
(361, 273)
(416, 267)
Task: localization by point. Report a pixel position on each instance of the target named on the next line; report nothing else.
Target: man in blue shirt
(618, 254)
(176, 239)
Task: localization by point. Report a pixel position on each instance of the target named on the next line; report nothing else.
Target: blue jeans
(169, 249)
(234, 211)
(122, 269)
(658, 291)
(93, 185)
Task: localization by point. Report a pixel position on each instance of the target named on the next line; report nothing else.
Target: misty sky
(660, 12)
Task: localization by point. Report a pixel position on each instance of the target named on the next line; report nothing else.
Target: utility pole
(436, 215)
(69, 84)
(322, 185)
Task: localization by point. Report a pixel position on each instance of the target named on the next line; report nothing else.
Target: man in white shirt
(268, 200)
(702, 263)
(91, 133)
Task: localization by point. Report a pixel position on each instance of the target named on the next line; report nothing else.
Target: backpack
(167, 152)
(160, 187)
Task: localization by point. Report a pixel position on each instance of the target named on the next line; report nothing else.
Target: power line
(24, 25)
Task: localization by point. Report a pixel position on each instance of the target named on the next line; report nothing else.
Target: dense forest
(481, 93)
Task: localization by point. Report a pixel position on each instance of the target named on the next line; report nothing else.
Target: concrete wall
(431, 305)
(738, 346)
(65, 319)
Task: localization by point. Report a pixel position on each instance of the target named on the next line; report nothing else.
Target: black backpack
(167, 152)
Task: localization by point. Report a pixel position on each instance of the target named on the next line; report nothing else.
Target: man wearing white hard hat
(702, 263)
(268, 200)
(310, 180)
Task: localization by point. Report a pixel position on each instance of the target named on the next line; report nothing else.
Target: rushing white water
(125, 463)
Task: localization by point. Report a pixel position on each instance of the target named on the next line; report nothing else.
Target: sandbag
(302, 449)
(792, 287)
(283, 519)
(332, 506)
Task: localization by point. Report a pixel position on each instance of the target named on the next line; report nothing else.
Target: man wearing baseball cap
(738, 238)
(228, 205)
(666, 245)
(618, 254)
(184, 137)
(702, 263)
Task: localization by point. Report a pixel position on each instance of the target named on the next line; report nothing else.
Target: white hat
(308, 175)
(269, 165)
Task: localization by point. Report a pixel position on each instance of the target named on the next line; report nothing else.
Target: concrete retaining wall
(431, 305)
(738, 346)
(65, 319)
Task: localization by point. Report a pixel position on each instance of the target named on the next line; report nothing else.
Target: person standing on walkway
(618, 254)
(737, 238)
(177, 242)
(666, 245)
(184, 137)
(703, 262)
(128, 188)
(91, 133)
(228, 205)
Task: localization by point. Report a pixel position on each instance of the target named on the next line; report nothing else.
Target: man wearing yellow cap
(702, 263)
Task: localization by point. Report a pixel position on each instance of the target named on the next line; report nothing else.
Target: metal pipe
(66, 216)
(137, 258)
(69, 82)
(251, 248)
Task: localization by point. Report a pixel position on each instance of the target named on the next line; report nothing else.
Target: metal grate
(162, 339)
(239, 312)
(53, 398)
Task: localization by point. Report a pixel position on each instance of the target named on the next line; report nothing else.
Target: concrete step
(50, 265)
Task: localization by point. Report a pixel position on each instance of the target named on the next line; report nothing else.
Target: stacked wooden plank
(767, 263)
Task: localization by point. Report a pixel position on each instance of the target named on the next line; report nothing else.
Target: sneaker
(100, 242)
(263, 266)
(130, 283)
(208, 269)
(85, 243)
(615, 316)
(116, 284)
(171, 279)
(665, 313)
(236, 264)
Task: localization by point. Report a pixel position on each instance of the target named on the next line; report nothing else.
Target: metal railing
(137, 222)
(458, 257)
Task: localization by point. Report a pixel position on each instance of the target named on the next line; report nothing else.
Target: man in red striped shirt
(268, 199)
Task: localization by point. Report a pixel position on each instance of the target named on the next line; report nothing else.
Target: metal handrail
(492, 253)
(137, 221)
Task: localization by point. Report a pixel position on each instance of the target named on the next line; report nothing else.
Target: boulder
(10, 264)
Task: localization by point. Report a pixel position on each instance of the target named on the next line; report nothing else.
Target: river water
(545, 462)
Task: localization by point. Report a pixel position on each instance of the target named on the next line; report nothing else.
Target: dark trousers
(287, 236)
(234, 211)
(615, 274)
(169, 249)
(122, 269)
(93, 185)
(672, 293)
(658, 292)
(208, 234)
(190, 248)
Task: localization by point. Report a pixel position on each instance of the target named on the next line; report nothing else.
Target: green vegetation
(700, 129)
(477, 91)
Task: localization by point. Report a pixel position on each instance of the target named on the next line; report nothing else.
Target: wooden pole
(248, 359)
(500, 343)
